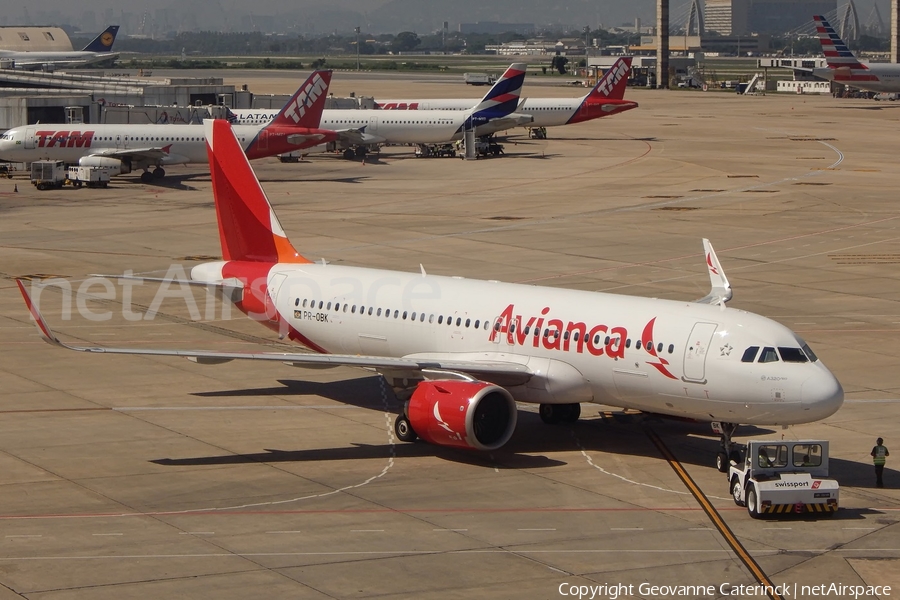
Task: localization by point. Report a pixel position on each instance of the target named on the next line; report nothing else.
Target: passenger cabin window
(768, 355)
(772, 456)
(807, 455)
(792, 355)
(750, 354)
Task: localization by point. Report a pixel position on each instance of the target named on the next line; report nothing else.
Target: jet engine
(465, 414)
(114, 165)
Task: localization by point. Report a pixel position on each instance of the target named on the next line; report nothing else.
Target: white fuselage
(69, 143)
(547, 112)
(877, 77)
(78, 57)
(384, 127)
(694, 369)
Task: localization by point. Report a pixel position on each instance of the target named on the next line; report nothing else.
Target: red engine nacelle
(466, 414)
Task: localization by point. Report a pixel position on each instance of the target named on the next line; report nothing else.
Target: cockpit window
(768, 355)
(750, 354)
(809, 353)
(792, 355)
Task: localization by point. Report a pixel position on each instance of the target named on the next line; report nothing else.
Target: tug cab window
(807, 455)
(768, 355)
(772, 456)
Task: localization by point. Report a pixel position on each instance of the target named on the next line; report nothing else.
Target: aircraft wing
(441, 365)
(358, 137)
(151, 154)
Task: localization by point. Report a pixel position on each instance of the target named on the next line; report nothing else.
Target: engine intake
(464, 414)
(114, 165)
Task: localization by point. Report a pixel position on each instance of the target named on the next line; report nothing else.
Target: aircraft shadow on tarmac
(176, 182)
(614, 432)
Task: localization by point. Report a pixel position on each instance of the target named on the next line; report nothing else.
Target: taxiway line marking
(537, 529)
(715, 517)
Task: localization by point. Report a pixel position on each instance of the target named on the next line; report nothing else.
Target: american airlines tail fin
(612, 85)
(248, 227)
(503, 98)
(305, 107)
(104, 41)
(836, 52)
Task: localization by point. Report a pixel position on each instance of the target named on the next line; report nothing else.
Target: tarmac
(138, 477)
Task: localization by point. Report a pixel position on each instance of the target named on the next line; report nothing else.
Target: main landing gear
(727, 453)
(150, 176)
(556, 413)
(404, 429)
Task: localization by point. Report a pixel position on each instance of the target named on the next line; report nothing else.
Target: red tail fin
(305, 107)
(612, 84)
(248, 227)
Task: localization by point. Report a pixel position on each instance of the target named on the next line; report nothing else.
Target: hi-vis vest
(880, 453)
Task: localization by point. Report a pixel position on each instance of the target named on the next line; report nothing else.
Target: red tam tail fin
(612, 85)
(305, 107)
(248, 227)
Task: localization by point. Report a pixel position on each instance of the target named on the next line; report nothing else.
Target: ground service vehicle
(92, 177)
(47, 174)
(784, 477)
(479, 79)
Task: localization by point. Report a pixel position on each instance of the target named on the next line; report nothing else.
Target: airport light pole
(356, 29)
(587, 32)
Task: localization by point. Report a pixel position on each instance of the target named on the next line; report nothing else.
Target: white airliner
(465, 351)
(844, 67)
(605, 99)
(98, 50)
(127, 147)
(361, 128)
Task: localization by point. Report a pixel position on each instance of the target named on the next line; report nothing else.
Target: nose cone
(821, 395)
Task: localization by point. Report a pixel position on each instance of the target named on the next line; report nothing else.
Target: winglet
(720, 291)
(43, 328)
(612, 85)
(104, 41)
(305, 107)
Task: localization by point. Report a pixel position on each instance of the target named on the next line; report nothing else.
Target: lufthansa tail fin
(305, 107)
(248, 227)
(836, 52)
(612, 85)
(503, 98)
(104, 41)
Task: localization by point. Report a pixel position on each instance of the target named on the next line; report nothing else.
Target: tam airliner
(98, 50)
(463, 352)
(605, 99)
(844, 67)
(127, 147)
(360, 128)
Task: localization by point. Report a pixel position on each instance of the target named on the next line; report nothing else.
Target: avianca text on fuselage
(598, 340)
(64, 139)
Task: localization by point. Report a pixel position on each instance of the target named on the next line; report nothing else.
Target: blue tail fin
(104, 41)
(503, 97)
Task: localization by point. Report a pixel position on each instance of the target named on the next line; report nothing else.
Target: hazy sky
(316, 16)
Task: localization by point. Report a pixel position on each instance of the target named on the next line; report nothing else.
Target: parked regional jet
(844, 67)
(361, 128)
(606, 98)
(125, 148)
(465, 351)
(98, 50)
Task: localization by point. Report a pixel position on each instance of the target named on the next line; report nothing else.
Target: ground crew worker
(879, 454)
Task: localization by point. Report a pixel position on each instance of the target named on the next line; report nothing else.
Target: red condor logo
(64, 139)
(598, 340)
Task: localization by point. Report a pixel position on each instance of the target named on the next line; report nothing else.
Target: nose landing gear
(727, 453)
